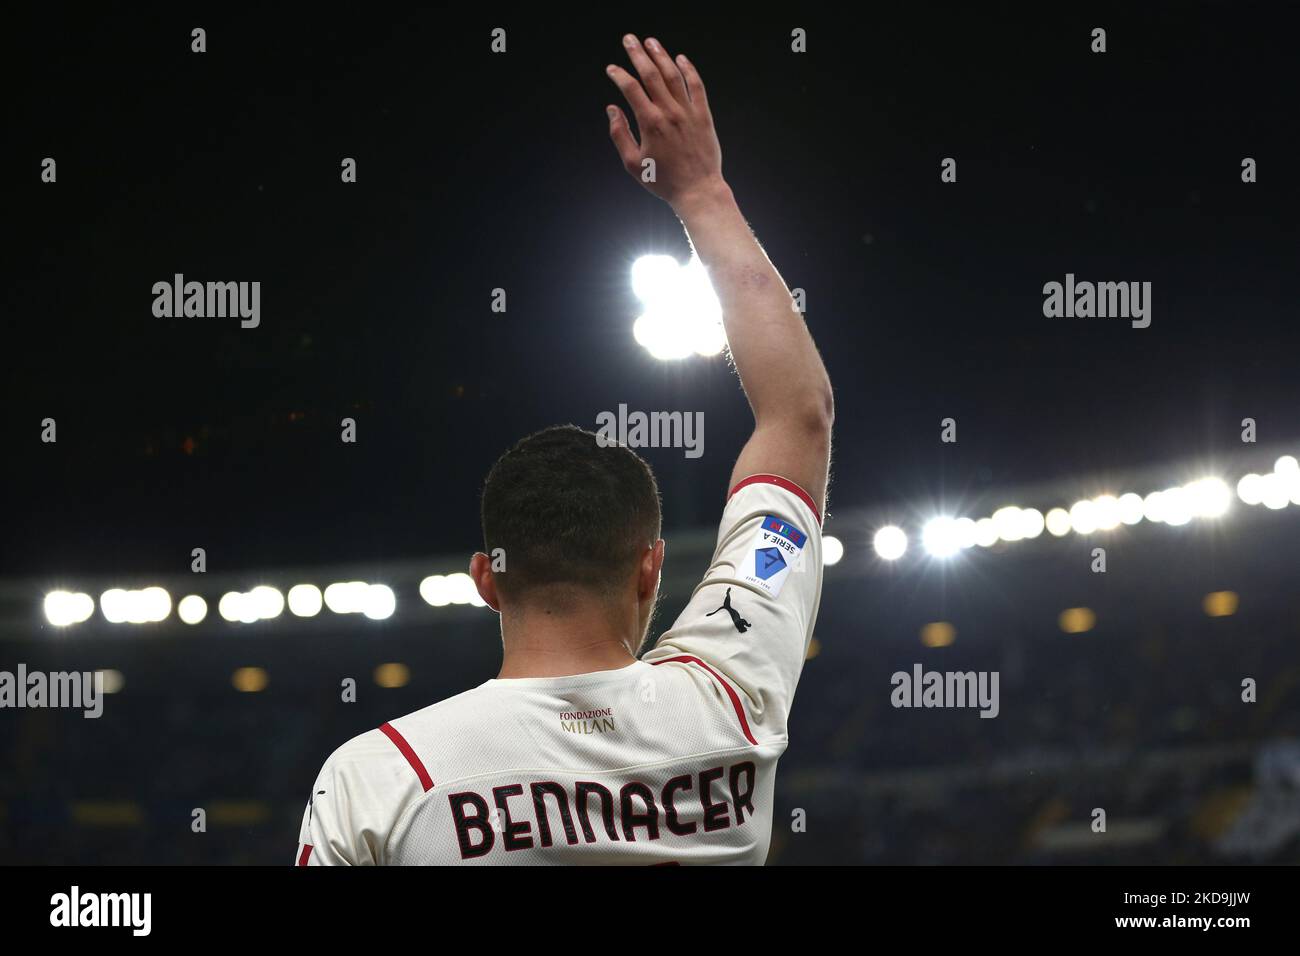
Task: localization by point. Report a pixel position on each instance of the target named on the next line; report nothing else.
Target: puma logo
(741, 624)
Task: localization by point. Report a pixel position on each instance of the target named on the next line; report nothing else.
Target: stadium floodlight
(63, 608)
(434, 590)
(1130, 508)
(148, 606)
(832, 550)
(1058, 522)
(379, 602)
(964, 532)
(1286, 471)
(1105, 513)
(682, 314)
(347, 597)
(1007, 524)
(986, 532)
(267, 602)
(1250, 489)
(1208, 497)
(1275, 495)
(230, 607)
(305, 600)
(1083, 517)
(1175, 506)
(890, 542)
(940, 537)
(1032, 522)
(192, 609)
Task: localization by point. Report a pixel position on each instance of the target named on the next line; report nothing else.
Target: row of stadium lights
(944, 536)
(941, 537)
(1080, 620)
(393, 675)
(262, 603)
(251, 680)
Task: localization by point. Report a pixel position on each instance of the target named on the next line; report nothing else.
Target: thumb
(621, 134)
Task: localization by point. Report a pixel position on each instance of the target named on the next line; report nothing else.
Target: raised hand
(673, 120)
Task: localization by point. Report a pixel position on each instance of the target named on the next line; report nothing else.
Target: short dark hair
(566, 510)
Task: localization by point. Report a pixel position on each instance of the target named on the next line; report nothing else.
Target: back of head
(568, 514)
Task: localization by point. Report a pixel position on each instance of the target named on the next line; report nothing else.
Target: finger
(694, 85)
(628, 151)
(649, 73)
(668, 70)
(642, 108)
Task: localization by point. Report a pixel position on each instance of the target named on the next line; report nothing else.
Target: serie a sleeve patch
(777, 549)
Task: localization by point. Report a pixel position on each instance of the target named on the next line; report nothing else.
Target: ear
(480, 569)
(652, 563)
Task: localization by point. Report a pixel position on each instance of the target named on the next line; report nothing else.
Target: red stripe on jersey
(735, 698)
(305, 855)
(780, 482)
(400, 742)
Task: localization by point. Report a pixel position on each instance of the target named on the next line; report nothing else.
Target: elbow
(816, 414)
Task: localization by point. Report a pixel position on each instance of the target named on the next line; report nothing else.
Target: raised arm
(780, 370)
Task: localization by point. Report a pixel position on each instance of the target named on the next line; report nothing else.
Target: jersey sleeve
(358, 795)
(752, 616)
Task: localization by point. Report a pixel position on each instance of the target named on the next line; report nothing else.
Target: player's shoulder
(467, 707)
(772, 492)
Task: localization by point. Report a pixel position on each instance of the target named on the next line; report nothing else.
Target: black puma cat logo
(741, 624)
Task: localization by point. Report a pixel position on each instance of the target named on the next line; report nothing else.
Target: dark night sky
(478, 171)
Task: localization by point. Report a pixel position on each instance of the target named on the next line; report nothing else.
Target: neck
(554, 639)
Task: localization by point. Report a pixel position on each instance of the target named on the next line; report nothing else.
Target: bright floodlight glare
(1031, 522)
(940, 537)
(1208, 497)
(135, 607)
(1287, 470)
(683, 316)
(1130, 508)
(653, 277)
(1105, 512)
(347, 597)
(267, 602)
(112, 604)
(1006, 522)
(462, 590)
(63, 608)
(192, 609)
(231, 606)
(1250, 489)
(1058, 522)
(890, 542)
(379, 602)
(986, 533)
(1275, 494)
(1175, 506)
(1083, 517)
(305, 600)
(964, 531)
(434, 591)
(832, 550)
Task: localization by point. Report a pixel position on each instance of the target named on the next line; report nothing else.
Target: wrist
(711, 194)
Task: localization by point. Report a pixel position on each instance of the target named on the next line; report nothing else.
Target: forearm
(780, 370)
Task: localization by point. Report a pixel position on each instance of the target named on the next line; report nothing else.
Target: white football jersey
(669, 760)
